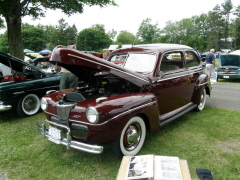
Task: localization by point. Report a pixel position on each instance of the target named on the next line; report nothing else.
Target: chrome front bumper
(68, 140)
(5, 107)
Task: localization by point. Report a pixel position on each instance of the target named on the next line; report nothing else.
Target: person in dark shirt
(210, 63)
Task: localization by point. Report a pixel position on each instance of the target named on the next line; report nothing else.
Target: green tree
(91, 39)
(112, 34)
(125, 37)
(197, 42)
(71, 35)
(148, 32)
(99, 27)
(201, 31)
(33, 37)
(215, 28)
(227, 8)
(171, 31)
(185, 30)
(4, 43)
(1, 23)
(164, 38)
(236, 27)
(14, 10)
(49, 33)
(63, 34)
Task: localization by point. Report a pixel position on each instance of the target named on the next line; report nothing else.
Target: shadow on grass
(10, 115)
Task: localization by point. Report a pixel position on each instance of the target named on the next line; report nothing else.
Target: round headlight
(44, 104)
(92, 115)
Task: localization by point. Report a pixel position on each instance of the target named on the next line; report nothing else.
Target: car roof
(158, 47)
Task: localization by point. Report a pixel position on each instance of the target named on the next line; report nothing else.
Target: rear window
(191, 59)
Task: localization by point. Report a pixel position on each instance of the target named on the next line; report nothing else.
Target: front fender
(116, 111)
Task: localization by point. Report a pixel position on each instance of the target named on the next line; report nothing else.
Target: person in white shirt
(5, 70)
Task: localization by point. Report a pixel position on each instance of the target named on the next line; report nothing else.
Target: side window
(172, 61)
(191, 59)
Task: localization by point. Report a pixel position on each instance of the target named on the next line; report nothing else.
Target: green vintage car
(24, 86)
(229, 66)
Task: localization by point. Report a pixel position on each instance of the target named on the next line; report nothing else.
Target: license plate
(54, 134)
(227, 77)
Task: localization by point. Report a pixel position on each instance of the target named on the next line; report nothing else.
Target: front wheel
(202, 103)
(28, 105)
(131, 139)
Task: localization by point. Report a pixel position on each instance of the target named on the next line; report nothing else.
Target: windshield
(140, 62)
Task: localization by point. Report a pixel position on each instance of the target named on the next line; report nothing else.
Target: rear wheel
(28, 105)
(202, 103)
(131, 139)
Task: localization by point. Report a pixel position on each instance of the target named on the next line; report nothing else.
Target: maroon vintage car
(158, 83)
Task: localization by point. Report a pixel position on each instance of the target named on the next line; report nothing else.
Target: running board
(178, 115)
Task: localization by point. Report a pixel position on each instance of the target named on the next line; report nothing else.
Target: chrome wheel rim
(30, 104)
(132, 136)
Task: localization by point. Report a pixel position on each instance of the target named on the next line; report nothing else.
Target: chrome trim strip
(21, 92)
(101, 99)
(228, 74)
(109, 67)
(5, 107)
(131, 110)
(126, 112)
(189, 73)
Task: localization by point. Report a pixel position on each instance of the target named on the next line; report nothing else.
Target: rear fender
(201, 84)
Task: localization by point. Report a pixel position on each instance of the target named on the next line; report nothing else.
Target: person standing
(210, 63)
(68, 79)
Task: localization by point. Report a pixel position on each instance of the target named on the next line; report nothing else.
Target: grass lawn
(207, 140)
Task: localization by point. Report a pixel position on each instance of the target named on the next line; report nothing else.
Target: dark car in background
(22, 89)
(157, 84)
(43, 63)
(229, 66)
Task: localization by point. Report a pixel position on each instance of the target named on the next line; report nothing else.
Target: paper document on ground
(167, 168)
(140, 167)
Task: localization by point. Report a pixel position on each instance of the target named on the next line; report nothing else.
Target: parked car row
(26, 83)
(22, 89)
(118, 104)
(229, 66)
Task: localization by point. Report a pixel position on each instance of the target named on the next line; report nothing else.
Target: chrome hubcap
(132, 136)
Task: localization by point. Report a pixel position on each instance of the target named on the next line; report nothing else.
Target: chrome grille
(63, 110)
(227, 70)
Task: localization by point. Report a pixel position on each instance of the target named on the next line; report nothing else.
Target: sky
(130, 13)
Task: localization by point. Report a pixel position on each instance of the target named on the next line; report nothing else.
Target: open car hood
(18, 65)
(229, 60)
(86, 67)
